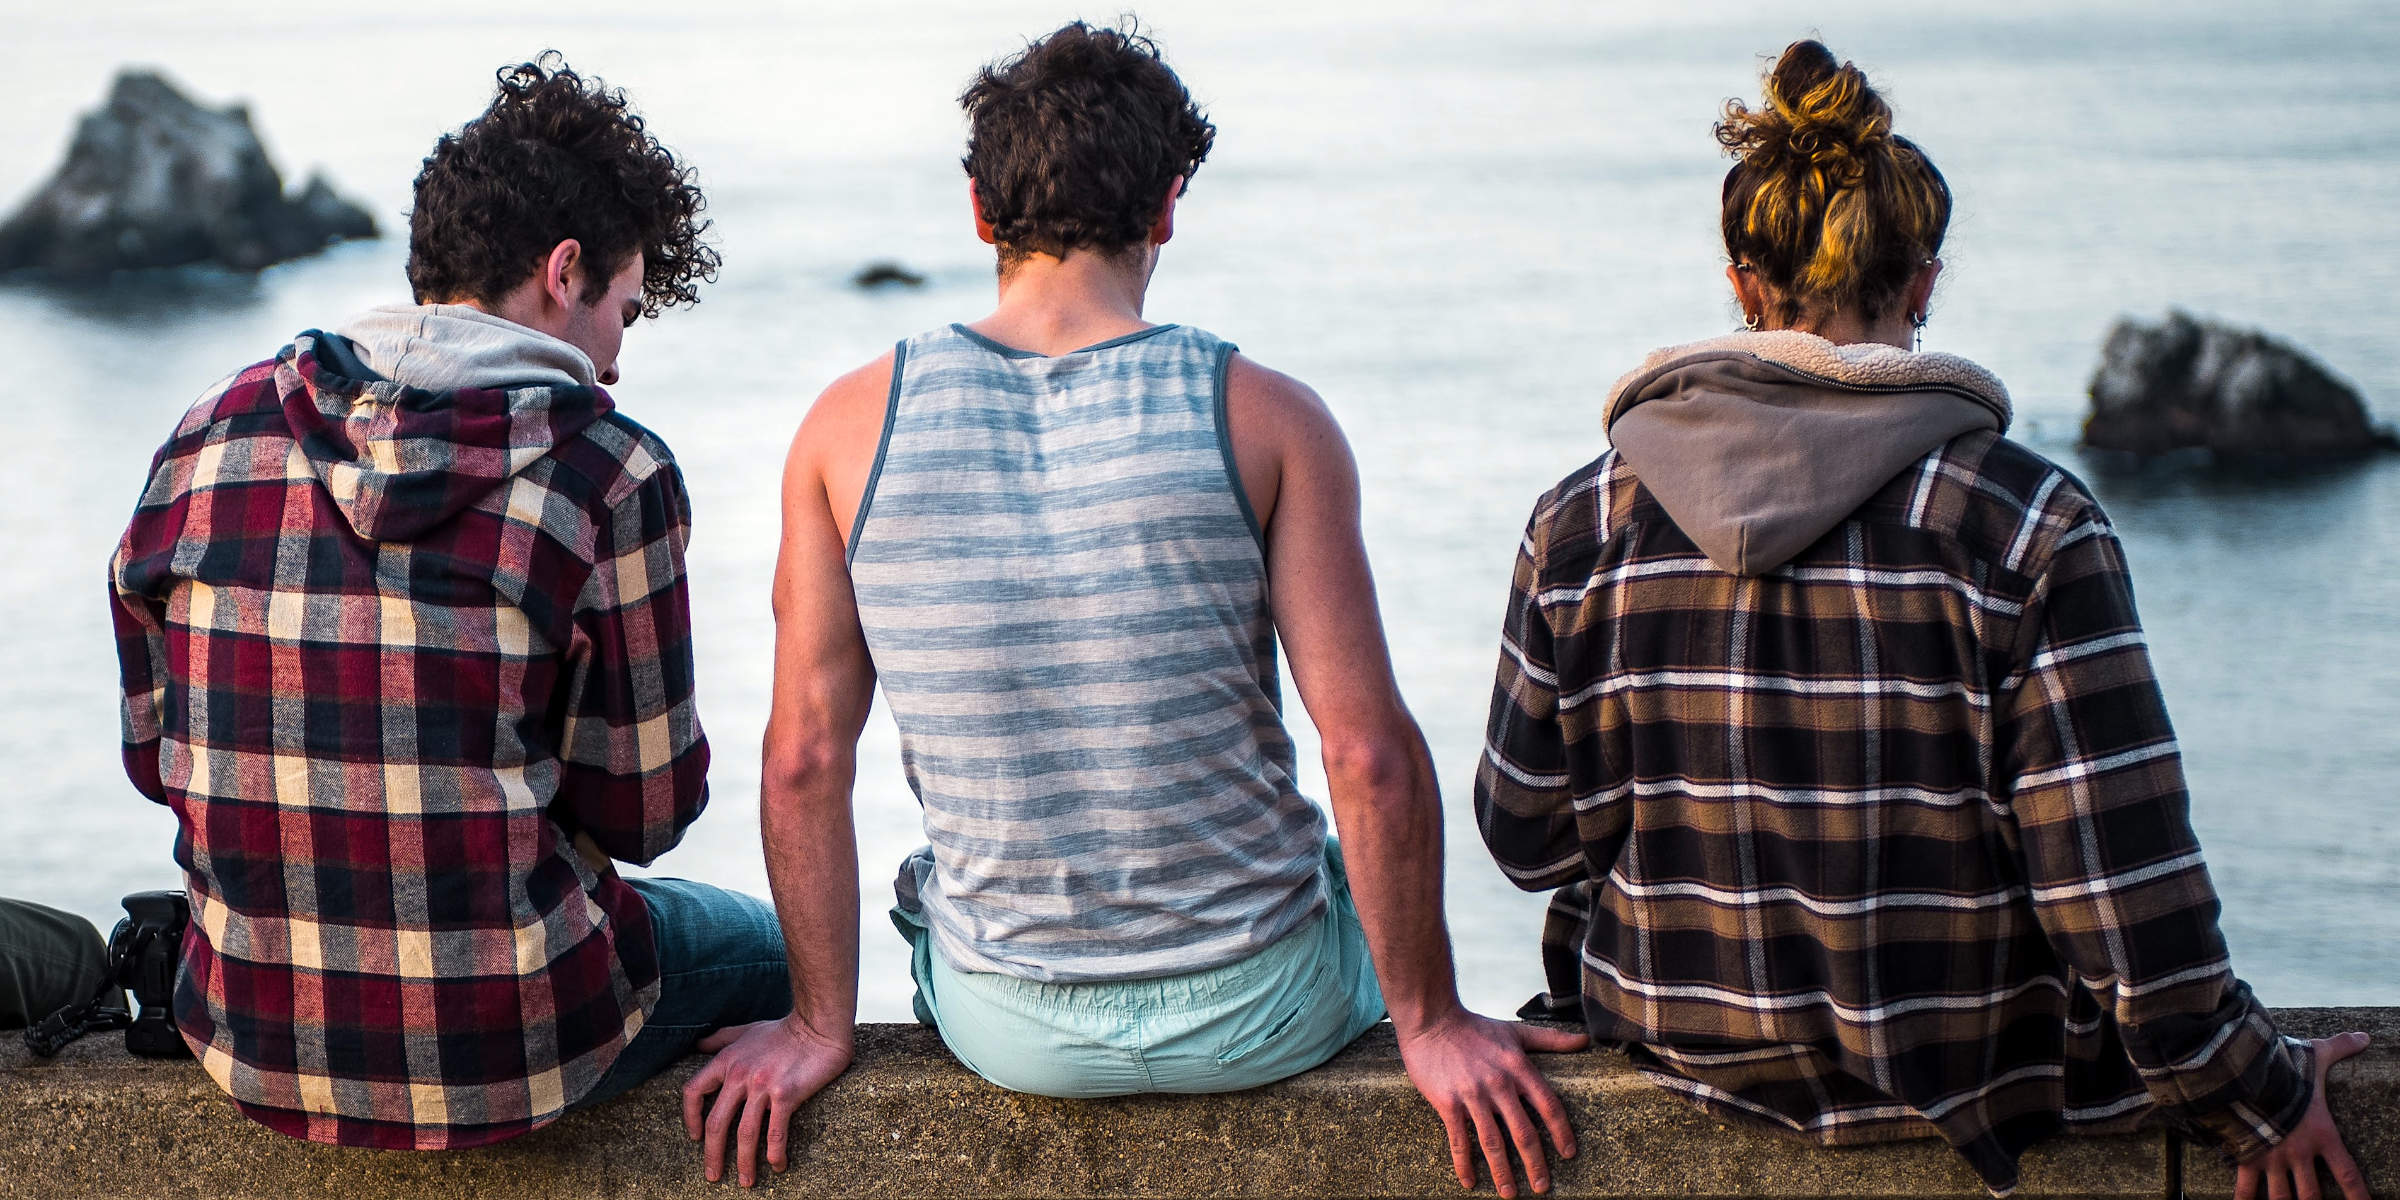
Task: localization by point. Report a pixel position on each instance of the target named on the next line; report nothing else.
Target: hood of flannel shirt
(412, 413)
(1758, 444)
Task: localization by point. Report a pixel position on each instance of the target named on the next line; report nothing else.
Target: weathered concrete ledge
(906, 1121)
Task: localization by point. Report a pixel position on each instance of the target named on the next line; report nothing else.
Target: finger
(779, 1136)
(1554, 1114)
(1495, 1148)
(2334, 1049)
(2279, 1178)
(754, 1117)
(721, 1116)
(721, 1038)
(1462, 1157)
(2346, 1172)
(1528, 1136)
(2304, 1176)
(1547, 1040)
(2245, 1182)
(695, 1095)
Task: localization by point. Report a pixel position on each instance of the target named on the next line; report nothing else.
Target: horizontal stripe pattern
(1066, 604)
(1885, 842)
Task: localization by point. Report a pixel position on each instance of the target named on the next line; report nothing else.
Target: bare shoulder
(1283, 410)
(854, 401)
(834, 451)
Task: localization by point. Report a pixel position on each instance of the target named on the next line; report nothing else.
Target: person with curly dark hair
(558, 168)
(1065, 538)
(405, 644)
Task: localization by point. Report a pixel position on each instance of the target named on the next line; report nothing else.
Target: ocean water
(1458, 225)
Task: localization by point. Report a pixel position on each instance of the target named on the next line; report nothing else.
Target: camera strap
(60, 1029)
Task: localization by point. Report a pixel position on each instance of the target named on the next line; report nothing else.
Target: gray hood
(414, 414)
(444, 347)
(1758, 444)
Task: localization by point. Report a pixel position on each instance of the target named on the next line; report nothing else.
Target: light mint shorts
(1269, 1016)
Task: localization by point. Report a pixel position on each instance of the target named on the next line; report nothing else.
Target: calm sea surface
(1459, 228)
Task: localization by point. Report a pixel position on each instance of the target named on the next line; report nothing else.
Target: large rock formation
(2187, 383)
(154, 180)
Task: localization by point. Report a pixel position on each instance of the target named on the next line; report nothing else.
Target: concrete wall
(906, 1121)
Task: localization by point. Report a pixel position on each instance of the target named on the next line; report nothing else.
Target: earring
(1916, 321)
(1750, 321)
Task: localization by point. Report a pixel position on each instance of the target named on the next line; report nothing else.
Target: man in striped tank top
(1066, 539)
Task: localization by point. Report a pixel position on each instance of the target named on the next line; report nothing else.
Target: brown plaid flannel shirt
(1888, 841)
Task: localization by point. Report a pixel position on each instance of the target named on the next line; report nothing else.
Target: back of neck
(1057, 306)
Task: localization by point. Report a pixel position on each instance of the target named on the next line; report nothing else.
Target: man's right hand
(763, 1073)
(2289, 1169)
(1474, 1072)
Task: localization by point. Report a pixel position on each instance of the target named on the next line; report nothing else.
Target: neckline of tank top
(1008, 351)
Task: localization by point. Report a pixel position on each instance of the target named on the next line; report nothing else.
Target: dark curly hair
(556, 156)
(1073, 141)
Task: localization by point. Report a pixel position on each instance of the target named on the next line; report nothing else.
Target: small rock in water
(884, 274)
(155, 180)
(2241, 395)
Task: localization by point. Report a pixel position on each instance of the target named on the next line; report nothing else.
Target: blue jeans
(1272, 1015)
(720, 963)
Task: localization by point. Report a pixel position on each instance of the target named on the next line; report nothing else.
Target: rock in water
(154, 180)
(2238, 393)
(884, 274)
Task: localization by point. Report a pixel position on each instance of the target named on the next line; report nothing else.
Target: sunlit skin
(2287, 1170)
(1842, 327)
(551, 300)
(1298, 473)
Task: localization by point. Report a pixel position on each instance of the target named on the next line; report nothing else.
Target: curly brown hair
(556, 156)
(1834, 211)
(1073, 141)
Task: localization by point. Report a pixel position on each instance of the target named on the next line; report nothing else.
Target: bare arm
(1301, 479)
(824, 686)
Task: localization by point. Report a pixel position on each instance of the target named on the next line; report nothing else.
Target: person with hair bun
(1824, 709)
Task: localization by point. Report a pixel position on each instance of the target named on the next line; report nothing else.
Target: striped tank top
(1065, 594)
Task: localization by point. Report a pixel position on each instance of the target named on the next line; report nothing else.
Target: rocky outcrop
(155, 180)
(886, 274)
(2244, 396)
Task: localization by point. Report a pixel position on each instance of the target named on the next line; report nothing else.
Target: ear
(562, 273)
(1920, 288)
(1162, 229)
(983, 224)
(1747, 293)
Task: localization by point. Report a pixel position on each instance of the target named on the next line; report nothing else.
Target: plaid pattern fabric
(1888, 841)
(383, 754)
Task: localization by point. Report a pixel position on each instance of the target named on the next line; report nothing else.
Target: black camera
(143, 953)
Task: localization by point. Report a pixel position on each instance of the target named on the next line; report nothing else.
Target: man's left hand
(1474, 1072)
(763, 1073)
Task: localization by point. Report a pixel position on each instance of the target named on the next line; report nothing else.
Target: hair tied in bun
(1833, 210)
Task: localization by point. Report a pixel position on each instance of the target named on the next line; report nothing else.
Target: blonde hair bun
(1816, 109)
(1833, 210)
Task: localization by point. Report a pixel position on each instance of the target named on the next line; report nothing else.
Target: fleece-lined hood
(1757, 444)
(412, 413)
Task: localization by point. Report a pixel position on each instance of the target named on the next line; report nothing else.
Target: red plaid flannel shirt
(400, 759)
